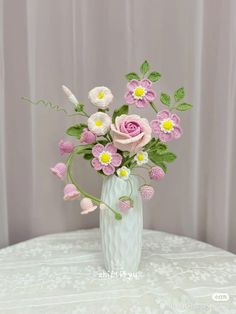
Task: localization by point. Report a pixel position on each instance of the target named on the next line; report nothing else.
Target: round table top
(64, 273)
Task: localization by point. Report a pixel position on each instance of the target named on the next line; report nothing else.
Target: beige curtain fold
(79, 43)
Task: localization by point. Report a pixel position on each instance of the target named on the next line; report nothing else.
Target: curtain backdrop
(82, 44)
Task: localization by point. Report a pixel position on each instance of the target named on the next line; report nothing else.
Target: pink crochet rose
(139, 93)
(87, 137)
(166, 126)
(66, 147)
(106, 158)
(130, 132)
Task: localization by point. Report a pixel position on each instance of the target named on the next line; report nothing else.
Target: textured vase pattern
(121, 239)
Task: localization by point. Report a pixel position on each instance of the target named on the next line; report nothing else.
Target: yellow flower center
(139, 91)
(105, 157)
(140, 157)
(101, 95)
(98, 122)
(123, 173)
(167, 125)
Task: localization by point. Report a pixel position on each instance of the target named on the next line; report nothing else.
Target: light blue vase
(121, 239)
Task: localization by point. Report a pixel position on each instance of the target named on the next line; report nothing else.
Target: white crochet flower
(100, 96)
(141, 158)
(123, 173)
(99, 123)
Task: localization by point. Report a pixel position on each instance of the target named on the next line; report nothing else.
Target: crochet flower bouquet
(116, 145)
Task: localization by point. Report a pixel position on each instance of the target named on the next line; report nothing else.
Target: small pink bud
(156, 173)
(70, 192)
(87, 205)
(124, 204)
(146, 191)
(87, 137)
(66, 147)
(59, 170)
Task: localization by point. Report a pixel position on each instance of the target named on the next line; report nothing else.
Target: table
(63, 273)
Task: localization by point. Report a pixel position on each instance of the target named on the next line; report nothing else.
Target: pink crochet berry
(146, 191)
(59, 170)
(156, 173)
(70, 192)
(124, 204)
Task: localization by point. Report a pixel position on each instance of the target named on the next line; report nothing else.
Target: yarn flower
(156, 173)
(101, 97)
(59, 170)
(87, 206)
(66, 147)
(99, 123)
(70, 192)
(139, 93)
(146, 191)
(166, 126)
(141, 158)
(106, 158)
(123, 173)
(87, 137)
(125, 203)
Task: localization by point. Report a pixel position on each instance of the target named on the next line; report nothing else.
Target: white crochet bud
(70, 96)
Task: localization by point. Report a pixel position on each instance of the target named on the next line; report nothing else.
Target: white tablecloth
(63, 273)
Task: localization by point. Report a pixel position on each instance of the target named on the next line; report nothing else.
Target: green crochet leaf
(144, 67)
(88, 156)
(76, 130)
(179, 94)
(118, 112)
(154, 76)
(132, 76)
(165, 99)
(183, 107)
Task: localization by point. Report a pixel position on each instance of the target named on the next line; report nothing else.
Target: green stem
(153, 106)
(138, 175)
(95, 199)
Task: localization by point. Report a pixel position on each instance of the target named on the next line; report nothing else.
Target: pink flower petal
(116, 160)
(150, 95)
(177, 132)
(164, 114)
(97, 150)
(110, 148)
(145, 83)
(155, 125)
(96, 164)
(132, 85)
(165, 137)
(129, 98)
(175, 118)
(140, 103)
(108, 169)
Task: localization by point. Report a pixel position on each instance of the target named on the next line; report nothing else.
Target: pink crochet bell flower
(66, 147)
(139, 93)
(106, 158)
(59, 170)
(146, 191)
(87, 206)
(70, 192)
(87, 137)
(156, 173)
(166, 126)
